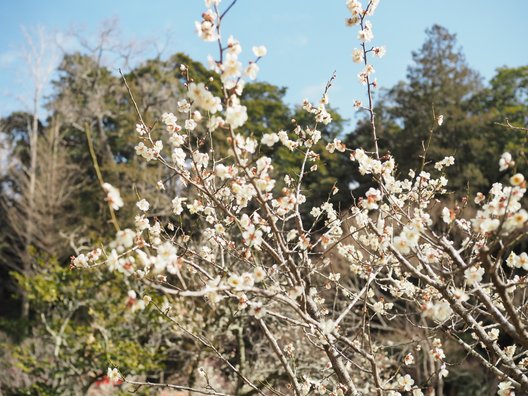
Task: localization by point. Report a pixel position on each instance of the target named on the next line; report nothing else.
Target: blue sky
(306, 40)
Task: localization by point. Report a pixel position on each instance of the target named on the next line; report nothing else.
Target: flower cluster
(113, 196)
(316, 294)
(502, 211)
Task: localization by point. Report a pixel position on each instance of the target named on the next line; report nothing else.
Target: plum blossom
(183, 106)
(447, 161)
(236, 114)
(143, 205)
(437, 352)
(252, 236)
(269, 139)
(373, 197)
(142, 223)
(405, 382)
(517, 179)
(518, 261)
(206, 29)
(439, 311)
(233, 46)
(212, 3)
(260, 51)
(252, 70)
(402, 245)
(259, 274)
(81, 261)
(474, 275)
(177, 207)
(336, 145)
(506, 389)
(170, 121)
(190, 124)
(141, 130)
(113, 375)
(494, 334)
(366, 34)
(231, 67)
(379, 51)
(448, 215)
(408, 359)
(355, 7)
(203, 98)
(112, 196)
(257, 310)
(372, 7)
(357, 55)
(506, 161)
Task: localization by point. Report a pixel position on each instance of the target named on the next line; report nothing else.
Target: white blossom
(260, 51)
(113, 197)
(474, 275)
(505, 389)
(113, 375)
(143, 205)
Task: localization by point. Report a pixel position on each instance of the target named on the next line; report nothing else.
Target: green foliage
(505, 100)
(15, 129)
(439, 82)
(83, 323)
(266, 109)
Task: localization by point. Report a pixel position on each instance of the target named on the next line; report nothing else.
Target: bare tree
(40, 55)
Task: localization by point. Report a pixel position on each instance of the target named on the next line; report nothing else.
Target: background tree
(503, 102)
(439, 82)
(40, 55)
